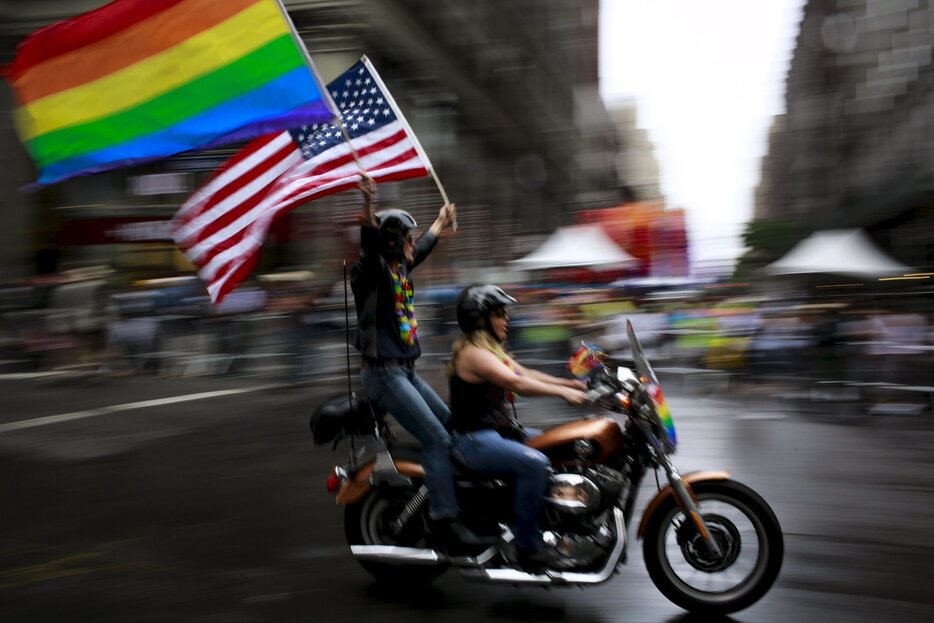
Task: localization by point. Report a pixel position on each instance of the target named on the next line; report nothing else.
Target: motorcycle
(711, 544)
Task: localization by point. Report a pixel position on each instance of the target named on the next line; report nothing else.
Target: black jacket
(374, 296)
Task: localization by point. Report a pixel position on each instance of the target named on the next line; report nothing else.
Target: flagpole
(408, 129)
(353, 152)
(322, 88)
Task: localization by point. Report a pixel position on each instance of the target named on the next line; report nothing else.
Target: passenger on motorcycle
(487, 439)
(387, 338)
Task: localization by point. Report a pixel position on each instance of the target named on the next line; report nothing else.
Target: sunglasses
(499, 312)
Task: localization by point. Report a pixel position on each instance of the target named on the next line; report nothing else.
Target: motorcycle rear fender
(689, 479)
(355, 488)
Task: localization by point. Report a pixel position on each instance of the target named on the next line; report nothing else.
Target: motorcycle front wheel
(747, 532)
(369, 522)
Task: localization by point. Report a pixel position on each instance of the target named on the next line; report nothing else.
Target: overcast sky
(707, 77)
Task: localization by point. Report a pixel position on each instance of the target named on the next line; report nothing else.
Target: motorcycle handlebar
(605, 384)
(593, 395)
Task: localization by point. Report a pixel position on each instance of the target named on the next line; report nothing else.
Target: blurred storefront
(656, 236)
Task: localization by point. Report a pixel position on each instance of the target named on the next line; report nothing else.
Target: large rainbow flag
(138, 80)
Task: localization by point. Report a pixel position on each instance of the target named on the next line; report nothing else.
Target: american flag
(221, 228)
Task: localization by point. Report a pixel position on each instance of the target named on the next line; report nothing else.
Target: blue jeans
(487, 453)
(421, 412)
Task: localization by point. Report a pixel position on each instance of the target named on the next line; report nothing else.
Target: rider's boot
(454, 535)
(536, 561)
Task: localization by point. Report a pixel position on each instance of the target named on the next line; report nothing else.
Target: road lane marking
(762, 416)
(20, 376)
(129, 406)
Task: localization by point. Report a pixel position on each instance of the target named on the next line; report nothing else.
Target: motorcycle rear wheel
(746, 530)
(367, 523)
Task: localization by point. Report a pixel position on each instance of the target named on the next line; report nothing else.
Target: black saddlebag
(340, 416)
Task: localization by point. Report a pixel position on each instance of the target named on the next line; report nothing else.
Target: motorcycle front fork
(687, 502)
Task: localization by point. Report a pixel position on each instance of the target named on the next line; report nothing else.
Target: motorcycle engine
(577, 523)
(573, 493)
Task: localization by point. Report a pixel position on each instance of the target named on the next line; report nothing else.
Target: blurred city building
(636, 164)
(855, 147)
(502, 94)
(641, 223)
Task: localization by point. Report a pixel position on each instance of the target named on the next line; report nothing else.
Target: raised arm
(368, 189)
(426, 243)
(446, 217)
(365, 268)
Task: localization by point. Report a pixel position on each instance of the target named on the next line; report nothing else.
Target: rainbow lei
(405, 305)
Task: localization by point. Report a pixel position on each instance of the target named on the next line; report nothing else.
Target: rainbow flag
(664, 413)
(138, 80)
(586, 358)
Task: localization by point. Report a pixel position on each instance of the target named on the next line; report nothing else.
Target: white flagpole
(408, 129)
(322, 88)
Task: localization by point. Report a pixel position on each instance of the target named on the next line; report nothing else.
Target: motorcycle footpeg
(477, 560)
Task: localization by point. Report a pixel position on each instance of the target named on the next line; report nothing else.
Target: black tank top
(477, 406)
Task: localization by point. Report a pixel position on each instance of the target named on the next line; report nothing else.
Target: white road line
(762, 416)
(19, 376)
(80, 415)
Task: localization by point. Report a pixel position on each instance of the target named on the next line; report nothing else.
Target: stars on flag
(363, 109)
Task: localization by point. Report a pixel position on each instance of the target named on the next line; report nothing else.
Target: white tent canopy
(837, 251)
(577, 246)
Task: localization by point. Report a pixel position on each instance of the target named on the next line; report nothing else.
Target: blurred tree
(766, 240)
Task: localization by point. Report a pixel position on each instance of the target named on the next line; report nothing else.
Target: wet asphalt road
(214, 509)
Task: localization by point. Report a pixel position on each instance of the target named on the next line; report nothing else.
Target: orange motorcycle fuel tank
(558, 443)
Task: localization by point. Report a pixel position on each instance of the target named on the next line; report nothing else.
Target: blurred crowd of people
(85, 321)
(92, 321)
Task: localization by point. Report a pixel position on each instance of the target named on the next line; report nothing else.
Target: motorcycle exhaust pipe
(514, 576)
(397, 555)
(414, 556)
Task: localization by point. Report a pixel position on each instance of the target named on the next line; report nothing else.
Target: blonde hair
(480, 338)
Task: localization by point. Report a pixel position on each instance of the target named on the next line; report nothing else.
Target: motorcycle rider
(387, 338)
(483, 378)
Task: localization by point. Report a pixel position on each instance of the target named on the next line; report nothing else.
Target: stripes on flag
(138, 80)
(222, 227)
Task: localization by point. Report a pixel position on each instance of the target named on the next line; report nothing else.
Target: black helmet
(393, 226)
(476, 302)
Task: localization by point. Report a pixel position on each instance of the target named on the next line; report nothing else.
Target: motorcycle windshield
(644, 368)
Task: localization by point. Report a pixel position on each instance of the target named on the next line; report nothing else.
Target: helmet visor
(500, 312)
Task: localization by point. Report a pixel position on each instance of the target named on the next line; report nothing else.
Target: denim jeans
(487, 453)
(421, 412)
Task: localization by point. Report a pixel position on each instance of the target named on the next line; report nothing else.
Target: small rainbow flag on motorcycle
(586, 358)
(664, 413)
